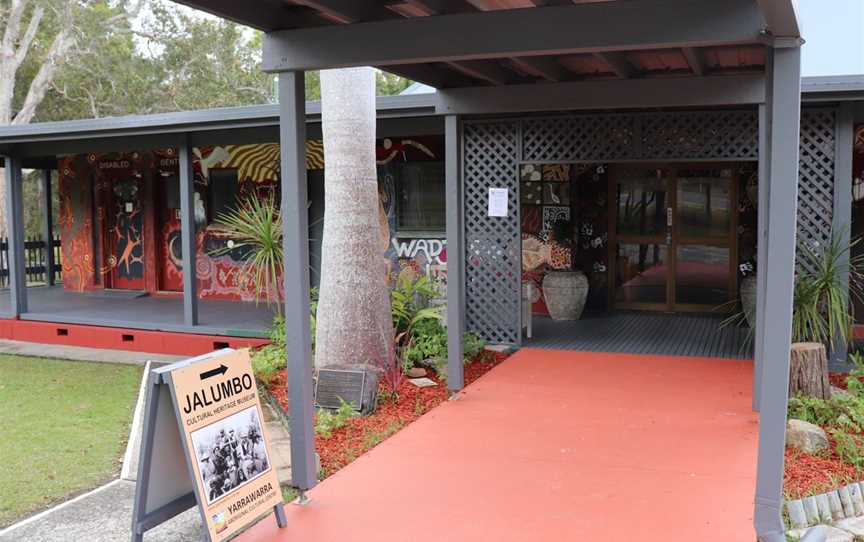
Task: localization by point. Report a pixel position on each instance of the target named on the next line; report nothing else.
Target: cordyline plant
(822, 300)
(256, 226)
(821, 306)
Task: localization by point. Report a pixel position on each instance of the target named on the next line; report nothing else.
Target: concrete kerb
(133, 443)
(53, 509)
(80, 353)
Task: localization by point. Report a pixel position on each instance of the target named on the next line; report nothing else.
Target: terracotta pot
(565, 293)
(748, 299)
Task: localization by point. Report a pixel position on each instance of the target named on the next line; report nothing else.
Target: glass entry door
(673, 233)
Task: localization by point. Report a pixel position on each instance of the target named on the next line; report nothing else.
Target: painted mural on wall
(120, 220)
(415, 256)
(217, 262)
(748, 205)
(564, 226)
(75, 221)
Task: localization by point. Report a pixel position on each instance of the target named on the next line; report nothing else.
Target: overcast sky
(834, 32)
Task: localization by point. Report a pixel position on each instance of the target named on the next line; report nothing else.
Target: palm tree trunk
(353, 322)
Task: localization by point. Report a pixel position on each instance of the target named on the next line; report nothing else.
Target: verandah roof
(593, 39)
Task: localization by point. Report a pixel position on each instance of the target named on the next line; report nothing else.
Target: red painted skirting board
(115, 338)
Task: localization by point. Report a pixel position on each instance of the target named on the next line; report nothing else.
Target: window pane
(420, 193)
(702, 275)
(641, 273)
(223, 191)
(704, 204)
(641, 201)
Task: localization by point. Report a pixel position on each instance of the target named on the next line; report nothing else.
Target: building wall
(107, 244)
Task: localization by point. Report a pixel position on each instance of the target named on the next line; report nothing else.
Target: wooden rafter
(542, 67)
(619, 64)
(485, 70)
(695, 60)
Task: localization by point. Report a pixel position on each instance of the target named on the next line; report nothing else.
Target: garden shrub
(842, 416)
(472, 344)
(327, 421)
(269, 359)
(850, 447)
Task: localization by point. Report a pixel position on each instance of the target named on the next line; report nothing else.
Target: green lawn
(63, 428)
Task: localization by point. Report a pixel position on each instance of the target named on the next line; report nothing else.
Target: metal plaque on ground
(335, 384)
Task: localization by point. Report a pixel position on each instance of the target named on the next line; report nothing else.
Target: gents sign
(220, 416)
(207, 410)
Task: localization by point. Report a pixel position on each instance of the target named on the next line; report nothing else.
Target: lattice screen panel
(700, 135)
(815, 180)
(582, 138)
(493, 245)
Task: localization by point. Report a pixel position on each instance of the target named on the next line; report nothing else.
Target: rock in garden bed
(805, 436)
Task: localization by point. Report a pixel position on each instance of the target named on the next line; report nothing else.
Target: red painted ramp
(555, 445)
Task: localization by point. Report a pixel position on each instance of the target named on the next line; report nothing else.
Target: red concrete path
(556, 445)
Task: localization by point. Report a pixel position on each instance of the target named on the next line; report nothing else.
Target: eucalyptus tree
(353, 322)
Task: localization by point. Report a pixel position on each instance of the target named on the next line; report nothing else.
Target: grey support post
(48, 226)
(784, 108)
(187, 234)
(761, 248)
(842, 217)
(15, 236)
(295, 221)
(455, 256)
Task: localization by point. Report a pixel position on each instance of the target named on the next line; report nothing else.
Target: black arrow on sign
(221, 370)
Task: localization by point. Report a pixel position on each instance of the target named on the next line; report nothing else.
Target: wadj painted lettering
(217, 392)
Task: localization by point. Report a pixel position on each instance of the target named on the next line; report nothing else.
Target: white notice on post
(497, 202)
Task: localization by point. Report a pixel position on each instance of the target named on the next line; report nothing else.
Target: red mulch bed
(808, 474)
(838, 380)
(363, 433)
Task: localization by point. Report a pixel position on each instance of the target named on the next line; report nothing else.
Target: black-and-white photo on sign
(230, 453)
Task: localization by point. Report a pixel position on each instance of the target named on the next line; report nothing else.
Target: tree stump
(808, 371)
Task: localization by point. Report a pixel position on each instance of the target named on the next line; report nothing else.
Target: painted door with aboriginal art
(125, 242)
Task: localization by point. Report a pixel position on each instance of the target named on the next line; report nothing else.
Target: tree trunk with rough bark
(808, 371)
(354, 326)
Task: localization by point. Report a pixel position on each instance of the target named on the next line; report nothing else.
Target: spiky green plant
(822, 301)
(255, 225)
(821, 307)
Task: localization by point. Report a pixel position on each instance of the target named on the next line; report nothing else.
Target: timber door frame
(673, 238)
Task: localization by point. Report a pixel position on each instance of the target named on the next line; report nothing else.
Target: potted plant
(747, 291)
(564, 289)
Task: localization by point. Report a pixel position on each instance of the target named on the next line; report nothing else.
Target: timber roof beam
(500, 34)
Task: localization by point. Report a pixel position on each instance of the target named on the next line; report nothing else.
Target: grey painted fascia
(605, 94)
(834, 88)
(201, 120)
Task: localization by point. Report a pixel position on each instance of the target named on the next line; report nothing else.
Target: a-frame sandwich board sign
(204, 444)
